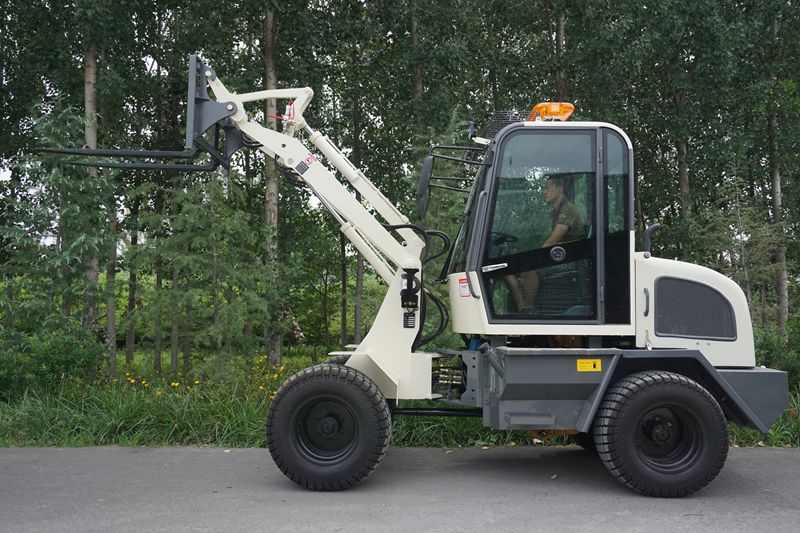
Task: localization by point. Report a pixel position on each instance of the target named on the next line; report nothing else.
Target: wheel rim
(326, 430)
(669, 439)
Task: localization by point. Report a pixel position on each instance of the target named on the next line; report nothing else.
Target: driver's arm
(556, 235)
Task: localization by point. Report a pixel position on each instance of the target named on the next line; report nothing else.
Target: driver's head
(554, 190)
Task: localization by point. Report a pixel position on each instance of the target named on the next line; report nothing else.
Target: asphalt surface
(414, 489)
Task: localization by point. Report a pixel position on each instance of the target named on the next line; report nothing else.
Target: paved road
(415, 489)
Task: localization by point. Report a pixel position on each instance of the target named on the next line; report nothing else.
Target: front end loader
(567, 327)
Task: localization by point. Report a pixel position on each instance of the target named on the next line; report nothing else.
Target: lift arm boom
(368, 235)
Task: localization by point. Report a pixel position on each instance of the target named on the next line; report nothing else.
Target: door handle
(646, 301)
(492, 268)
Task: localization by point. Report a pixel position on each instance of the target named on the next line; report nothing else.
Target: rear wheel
(661, 434)
(328, 427)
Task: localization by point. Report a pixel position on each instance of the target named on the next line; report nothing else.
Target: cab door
(539, 255)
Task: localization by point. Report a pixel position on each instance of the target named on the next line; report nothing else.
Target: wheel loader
(567, 328)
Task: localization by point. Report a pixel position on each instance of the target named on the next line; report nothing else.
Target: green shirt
(568, 215)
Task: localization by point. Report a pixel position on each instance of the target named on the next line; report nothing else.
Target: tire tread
(611, 410)
(331, 371)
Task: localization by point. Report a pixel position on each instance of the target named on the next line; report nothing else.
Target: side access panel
(528, 388)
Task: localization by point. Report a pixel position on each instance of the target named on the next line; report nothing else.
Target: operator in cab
(566, 225)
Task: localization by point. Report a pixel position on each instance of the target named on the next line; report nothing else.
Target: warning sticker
(463, 287)
(305, 163)
(589, 365)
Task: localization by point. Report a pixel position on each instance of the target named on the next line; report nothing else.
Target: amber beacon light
(551, 111)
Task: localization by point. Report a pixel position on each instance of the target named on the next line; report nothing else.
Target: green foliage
(44, 359)
(225, 407)
(774, 352)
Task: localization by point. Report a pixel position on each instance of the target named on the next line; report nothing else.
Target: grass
(229, 408)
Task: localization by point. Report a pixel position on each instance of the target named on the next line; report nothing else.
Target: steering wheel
(501, 237)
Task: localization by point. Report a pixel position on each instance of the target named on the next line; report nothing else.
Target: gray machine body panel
(528, 388)
(542, 388)
(764, 390)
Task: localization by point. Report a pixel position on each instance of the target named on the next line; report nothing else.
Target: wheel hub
(668, 439)
(661, 433)
(328, 427)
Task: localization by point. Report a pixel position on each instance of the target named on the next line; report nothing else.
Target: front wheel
(328, 427)
(661, 434)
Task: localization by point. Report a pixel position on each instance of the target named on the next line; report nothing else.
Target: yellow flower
(174, 384)
(275, 376)
(146, 385)
(261, 387)
(197, 382)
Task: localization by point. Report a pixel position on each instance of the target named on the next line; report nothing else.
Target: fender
(751, 397)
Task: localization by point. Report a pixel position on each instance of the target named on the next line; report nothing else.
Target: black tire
(328, 427)
(661, 434)
(337, 360)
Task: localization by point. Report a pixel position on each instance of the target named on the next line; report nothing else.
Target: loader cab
(548, 230)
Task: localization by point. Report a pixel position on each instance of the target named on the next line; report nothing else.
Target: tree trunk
(215, 303)
(557, 39)
(175, 312)
(343, 298)
(157, 319)
(356, 160)
(66, 300)
(174, 340)
(325, 311)
(226, 347)
(51, 295)
(357, 314)
(419, 72)
(9, 308)
(130, 337)
(779, 257)
(111, 277)
(561, 78)
(187, 337)
(682, 146)
(748, 289)
(270, 33)
(90, 133)
(495, 89)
